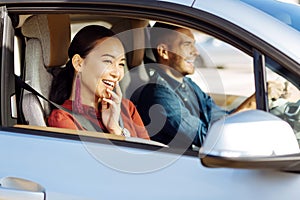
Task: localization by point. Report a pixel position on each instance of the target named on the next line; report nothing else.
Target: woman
(89, 86)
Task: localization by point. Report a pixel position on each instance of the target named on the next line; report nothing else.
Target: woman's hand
(111, 110)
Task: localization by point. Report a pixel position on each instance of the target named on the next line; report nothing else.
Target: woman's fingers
(118, 90)
(106, 101)
(110, 114)
(114, 96)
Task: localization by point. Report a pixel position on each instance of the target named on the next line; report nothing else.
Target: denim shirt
(174, 113)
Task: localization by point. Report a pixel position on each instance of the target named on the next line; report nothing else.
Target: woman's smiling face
(103, 67)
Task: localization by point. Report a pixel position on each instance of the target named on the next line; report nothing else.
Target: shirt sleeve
(139, 127)
(215, 111)
(61, 119)
(211, 109)
(132, 120)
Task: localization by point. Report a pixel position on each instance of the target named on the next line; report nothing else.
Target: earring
(77, 101)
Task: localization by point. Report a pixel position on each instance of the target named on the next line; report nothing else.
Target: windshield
(286, 12)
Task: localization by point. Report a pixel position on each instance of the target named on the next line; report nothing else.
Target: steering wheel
(292, 115)
(287, 111)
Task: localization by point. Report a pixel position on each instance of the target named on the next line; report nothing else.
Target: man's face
(182, 52)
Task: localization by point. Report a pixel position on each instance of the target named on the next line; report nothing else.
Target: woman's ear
(162, 51)
(77, 62)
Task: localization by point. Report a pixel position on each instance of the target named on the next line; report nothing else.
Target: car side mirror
(247, 140)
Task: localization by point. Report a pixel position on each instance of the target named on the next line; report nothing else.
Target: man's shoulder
(160, 79)
(157, 84)
(195, 87)
(156, 89)
(191, 82)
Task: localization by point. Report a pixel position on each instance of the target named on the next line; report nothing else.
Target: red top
(130, 116)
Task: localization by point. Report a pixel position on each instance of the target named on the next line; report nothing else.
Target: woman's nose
(115, 72)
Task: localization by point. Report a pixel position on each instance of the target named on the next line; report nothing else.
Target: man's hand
(278, 89)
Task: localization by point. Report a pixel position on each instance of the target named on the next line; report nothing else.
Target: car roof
(180, 2)
(288, 13)
(266, 25)
(240, 12)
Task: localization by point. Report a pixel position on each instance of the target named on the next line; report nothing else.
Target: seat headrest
(131, 32)
(53, 31)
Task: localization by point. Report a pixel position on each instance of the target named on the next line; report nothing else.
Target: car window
(226, 73)
(284, 101)
(223, 71)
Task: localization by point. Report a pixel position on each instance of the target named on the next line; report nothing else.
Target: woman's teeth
(109, 83)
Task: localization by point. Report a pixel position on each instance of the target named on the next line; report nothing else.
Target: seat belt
(87, 124)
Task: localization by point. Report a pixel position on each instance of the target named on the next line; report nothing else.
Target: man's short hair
(161, 33)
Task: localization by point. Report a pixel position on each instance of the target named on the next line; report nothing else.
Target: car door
(67, 168)
(49, 164)
(7, 59)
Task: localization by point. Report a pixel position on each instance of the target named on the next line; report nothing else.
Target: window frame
(192, 18)
(7, 91)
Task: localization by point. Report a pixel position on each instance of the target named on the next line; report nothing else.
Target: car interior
(40, 51)
(41, 39)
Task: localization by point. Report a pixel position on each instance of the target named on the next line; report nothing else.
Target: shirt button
(161, 79)
(185, 99)
(183, 85)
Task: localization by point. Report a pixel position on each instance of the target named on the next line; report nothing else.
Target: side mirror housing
(252, 133)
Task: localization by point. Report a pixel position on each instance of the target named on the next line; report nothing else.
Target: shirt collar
(174, 84)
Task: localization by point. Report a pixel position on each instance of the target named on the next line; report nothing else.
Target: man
(174, 109)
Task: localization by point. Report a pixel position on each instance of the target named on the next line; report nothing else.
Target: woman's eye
(122, 65)
(107, 61)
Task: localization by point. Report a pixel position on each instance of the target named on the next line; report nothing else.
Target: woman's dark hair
(83, 42)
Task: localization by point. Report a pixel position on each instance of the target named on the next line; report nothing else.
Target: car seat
(47, 41)
(132, 34)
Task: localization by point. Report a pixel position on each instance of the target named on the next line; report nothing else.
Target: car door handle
(12, 188)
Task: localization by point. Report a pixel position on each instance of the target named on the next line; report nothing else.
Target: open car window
(285, 101)
(222, 71)
(218, 62)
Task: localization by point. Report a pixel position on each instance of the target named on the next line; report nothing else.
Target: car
(249, 155)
